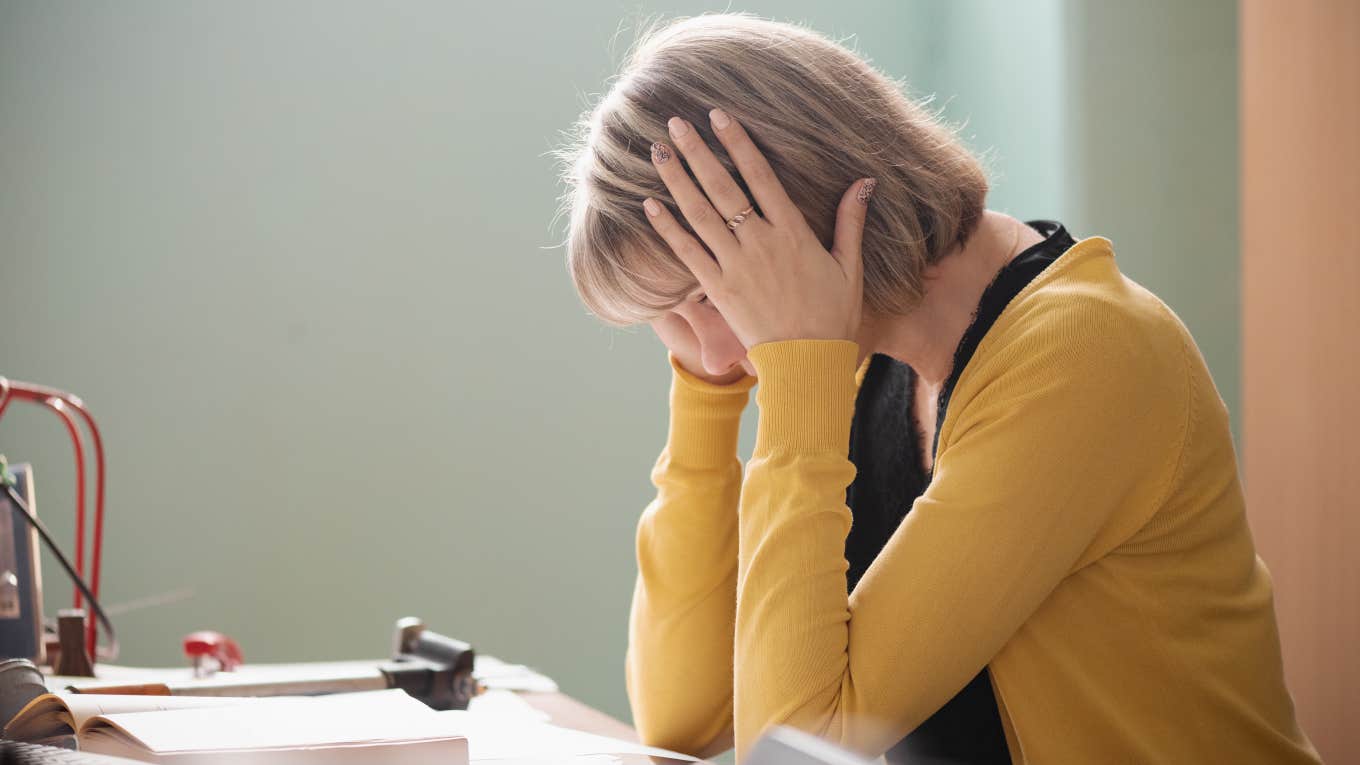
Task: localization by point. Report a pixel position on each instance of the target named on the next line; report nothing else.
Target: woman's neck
(926, 338)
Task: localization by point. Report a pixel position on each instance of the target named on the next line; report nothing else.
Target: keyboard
(17, 753)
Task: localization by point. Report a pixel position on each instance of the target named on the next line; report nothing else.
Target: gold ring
(736, 220)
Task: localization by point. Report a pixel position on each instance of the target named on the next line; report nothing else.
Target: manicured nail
(678, 127)
(653, 209)
(866, 190)
(720, 119)
(660, 153)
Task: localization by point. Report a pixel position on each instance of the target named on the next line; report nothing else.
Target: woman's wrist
(705, 417)
(807, 397)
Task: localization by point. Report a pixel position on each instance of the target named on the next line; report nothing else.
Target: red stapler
(211, 652)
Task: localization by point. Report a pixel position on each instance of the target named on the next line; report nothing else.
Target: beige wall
(1301, 382)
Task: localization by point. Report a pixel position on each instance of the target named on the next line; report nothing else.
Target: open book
(374, 726)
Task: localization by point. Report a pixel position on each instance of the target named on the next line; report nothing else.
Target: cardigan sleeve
(1041, 447)
(678, 665)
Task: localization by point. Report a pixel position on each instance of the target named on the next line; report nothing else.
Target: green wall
(1155, 158)
(298, 258)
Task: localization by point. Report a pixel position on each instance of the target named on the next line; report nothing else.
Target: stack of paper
(385, 726)
(375, 726)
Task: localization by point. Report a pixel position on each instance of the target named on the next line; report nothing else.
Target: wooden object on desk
(73, 660)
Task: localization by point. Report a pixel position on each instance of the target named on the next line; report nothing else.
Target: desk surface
(561, 708)
(570, 713)
(567, 712)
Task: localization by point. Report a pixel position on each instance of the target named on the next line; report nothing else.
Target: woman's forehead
(648, 284)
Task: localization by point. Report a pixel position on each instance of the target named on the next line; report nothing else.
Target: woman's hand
(679, 337)
(769, 277)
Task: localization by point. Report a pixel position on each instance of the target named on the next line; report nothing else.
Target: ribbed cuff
(705, 417)
(807, 395)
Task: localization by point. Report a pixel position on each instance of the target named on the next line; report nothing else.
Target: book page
(85, 706)
(347, 719)
(424, 752)
(57, 714)
(43, 717)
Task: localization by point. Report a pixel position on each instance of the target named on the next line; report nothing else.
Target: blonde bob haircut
(820, 114)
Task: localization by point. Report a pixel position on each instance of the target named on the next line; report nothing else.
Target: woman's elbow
(697, 737)
(679, 722)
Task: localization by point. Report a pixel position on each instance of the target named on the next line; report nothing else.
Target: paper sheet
(375, 716)
(508, 706)
(492, 737)
(494, 673)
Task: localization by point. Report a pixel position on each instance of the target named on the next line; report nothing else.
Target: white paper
(494, 673)
(494, 738)
(489, 670)
(506, 705)
(577, 760)
(292, 723)
(84, 706)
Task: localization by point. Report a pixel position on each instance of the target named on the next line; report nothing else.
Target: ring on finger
(739, 218)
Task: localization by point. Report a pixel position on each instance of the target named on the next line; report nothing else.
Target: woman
(993, 512)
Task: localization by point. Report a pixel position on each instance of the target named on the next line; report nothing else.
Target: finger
(847, 241)
(723, 192)
(774, 201)
(690, 251)
(696, 208)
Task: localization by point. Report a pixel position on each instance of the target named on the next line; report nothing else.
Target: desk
(563, 710)
(570, 713)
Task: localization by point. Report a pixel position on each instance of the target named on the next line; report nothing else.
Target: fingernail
(720, 119)
(866, 190)
(660, 153)
(653, 209)
(678, 127)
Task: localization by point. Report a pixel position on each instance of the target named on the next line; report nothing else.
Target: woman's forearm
(681, 626)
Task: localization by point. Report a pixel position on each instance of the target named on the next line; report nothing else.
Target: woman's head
(821, 115)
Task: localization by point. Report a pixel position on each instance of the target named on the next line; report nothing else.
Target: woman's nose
(720, 357)
(719, 347)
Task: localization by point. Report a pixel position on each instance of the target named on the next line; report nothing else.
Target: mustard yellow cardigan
(1083, 535)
